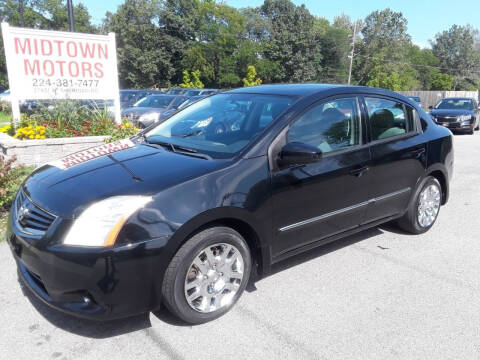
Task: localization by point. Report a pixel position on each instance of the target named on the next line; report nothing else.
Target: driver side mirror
(430, 107)
(298, 153)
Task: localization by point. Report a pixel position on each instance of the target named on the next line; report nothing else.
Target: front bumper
(94, 283)
(458, 126)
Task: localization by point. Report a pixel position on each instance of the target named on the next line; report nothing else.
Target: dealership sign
(60, 65)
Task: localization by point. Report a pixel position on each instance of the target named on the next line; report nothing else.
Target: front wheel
(424, 207)
(207, 275)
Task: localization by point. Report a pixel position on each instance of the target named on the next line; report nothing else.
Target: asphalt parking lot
(380, 294)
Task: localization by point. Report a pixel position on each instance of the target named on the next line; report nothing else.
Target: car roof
(304, 90)
(458, 98)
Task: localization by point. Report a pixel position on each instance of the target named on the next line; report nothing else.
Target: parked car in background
(101, 105)
(185, 103)
(457, 114)
(176, 91)
(148, 110)
(128, 97)
(416, 99)
(200, 92)
(188, 220)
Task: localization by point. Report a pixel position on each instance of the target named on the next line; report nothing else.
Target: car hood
(137, 170)
(141, 110)
(451, 112)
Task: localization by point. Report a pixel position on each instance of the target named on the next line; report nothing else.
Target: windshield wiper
(178, 149)
(193, 133)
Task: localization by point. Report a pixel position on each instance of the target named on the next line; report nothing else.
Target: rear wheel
(423, 208)
(207, 275)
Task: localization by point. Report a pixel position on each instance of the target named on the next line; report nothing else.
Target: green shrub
(10, 180)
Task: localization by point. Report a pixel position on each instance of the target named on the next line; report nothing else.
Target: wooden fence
(431, 98)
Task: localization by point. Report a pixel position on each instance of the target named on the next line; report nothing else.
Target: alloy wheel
(214, 277)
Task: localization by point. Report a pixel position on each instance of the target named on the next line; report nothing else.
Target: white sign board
(45, 64)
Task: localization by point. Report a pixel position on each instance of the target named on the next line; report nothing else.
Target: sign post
(58, 65)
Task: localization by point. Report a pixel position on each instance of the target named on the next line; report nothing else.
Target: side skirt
(332, 238)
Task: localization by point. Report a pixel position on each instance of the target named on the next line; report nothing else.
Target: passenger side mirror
(297, 153)
(430, 107)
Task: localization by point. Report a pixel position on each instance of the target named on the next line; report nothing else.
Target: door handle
(359, 171)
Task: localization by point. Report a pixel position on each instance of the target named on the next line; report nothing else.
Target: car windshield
(465, 104)
(154, 101)
(220, 125)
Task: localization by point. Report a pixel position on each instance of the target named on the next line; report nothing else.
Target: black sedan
(185, 215)
(457, 114)
(149, 109)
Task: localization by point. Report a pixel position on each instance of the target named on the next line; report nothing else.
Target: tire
(477, 127)
(410, 221)
(205, 307)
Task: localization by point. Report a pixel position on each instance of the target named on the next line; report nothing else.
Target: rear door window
(388, 118)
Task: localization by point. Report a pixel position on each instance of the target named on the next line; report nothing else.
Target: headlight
(101, 222)
(464, 117)
(149, 117)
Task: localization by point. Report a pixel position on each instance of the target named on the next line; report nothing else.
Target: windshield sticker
(92, 153)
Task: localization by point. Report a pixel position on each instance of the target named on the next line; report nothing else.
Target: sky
(425, 17)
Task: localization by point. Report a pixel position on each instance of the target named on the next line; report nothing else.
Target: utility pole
(352, 53)
(22, 21)
(71, 20)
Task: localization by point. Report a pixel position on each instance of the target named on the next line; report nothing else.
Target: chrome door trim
(343, 210)
(395, 193)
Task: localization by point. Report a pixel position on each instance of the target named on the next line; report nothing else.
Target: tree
(290, 41)
(456, 50)
(192, 81)
(383, 48)
(442, 82)
(151, 40)
(251, 78)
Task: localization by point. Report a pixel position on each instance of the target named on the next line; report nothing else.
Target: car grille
(30, 218)
(448, 119)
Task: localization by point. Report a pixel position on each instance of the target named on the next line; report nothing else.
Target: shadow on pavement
(325, 249)
(101, 330)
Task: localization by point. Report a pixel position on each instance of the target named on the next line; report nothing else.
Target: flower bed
(39, 151)
(50, 134)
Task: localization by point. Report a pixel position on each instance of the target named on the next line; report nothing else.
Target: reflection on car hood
(451, 112)
(140, 169)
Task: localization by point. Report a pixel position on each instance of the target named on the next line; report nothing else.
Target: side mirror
(297, 153)
(430, 107)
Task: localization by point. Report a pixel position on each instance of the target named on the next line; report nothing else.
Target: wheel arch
(239, 220)
(440, 175)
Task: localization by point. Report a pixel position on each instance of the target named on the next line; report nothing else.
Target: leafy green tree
(458, 56)
(192, 81)
(251, 78)
(151, 40)
(442, 82)
(383, 48)
(290, 41)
